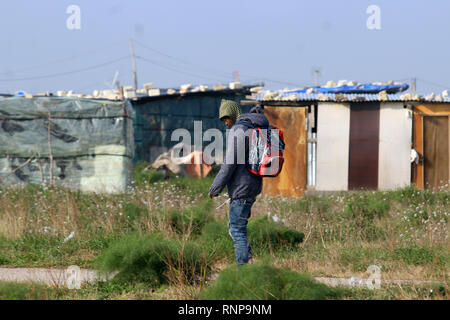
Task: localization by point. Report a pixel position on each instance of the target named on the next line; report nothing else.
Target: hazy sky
(203, 42)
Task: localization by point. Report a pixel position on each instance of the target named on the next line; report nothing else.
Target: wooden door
(364, 146)
(292, 179)
(436, 151)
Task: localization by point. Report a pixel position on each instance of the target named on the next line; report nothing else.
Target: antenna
(236, 76)
(317, 72)
(115, 82)
(413, 86)
(133, 59)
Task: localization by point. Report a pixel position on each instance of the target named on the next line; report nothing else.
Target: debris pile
(148, 89)
(194, 165)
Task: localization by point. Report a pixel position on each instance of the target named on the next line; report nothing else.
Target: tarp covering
(91, 142)
(344, 89)
(360, 88)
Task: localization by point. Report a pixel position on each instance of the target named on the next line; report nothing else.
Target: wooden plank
(418, 146)
(364, 146)
(433, 109)
(292, 180)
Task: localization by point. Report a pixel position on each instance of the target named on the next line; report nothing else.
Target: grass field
(167, 239)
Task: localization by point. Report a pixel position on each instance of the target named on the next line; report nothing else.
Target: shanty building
(431, 140)
(352, 141)
(158, 116)
(77, 143)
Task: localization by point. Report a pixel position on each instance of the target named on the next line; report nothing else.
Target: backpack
(265, 158)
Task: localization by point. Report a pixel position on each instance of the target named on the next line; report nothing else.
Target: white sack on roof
(430, 97)
(218, 87)
(382, 96)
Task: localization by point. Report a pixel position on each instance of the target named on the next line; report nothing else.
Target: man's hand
(212, 196)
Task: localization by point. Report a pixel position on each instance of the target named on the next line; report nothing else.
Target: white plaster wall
(394, 167)
(333, 134)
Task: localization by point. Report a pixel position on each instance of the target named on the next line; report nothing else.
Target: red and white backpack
(266, 150)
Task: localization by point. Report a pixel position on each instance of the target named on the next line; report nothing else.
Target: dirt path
(47, 276)
(61, 277)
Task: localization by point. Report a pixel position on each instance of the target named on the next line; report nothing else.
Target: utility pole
(133, 58)
(316, 77)
(236, 76)
(413, 86)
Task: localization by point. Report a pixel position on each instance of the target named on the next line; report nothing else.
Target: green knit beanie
(230, 109)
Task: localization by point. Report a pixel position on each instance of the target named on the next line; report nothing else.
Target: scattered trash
(228, 201)
(373, 282)
(275, 218)
(356, 282)
(71, 235)
(194, 165)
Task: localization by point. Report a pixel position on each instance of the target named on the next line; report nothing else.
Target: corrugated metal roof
(345, 97)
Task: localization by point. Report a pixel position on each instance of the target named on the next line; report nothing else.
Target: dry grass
(403, 231)
(407, 235)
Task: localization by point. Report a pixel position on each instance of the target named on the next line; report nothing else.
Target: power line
(434, 84)
(59, 60)
(67, 73)
(216, 72)
(175, 69)
(209, 70)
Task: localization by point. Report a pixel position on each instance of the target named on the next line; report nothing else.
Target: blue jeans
(240, 212)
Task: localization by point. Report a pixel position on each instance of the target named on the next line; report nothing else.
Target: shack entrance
(364, 146)
(436, 151)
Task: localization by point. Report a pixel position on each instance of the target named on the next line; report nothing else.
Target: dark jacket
(239, 181)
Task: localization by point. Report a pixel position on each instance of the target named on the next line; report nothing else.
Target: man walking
(242, 186)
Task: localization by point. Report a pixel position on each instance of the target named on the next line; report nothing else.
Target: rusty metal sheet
(364, 146)
(292, 179)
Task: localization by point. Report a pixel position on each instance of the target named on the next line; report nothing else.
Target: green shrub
(150, 259)
(193, 186)
(264, 282)
(264, 234)
(22, 291)
(216, 238)
(366, 206)
(48, 250)
(363, 210)
(132, 214)
(142, 176)
(192, 219)
(415, 255)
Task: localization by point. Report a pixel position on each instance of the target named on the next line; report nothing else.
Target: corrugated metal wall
(156, 119)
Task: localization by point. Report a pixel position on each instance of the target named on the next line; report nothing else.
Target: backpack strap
(245, 123)
(251, 125)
